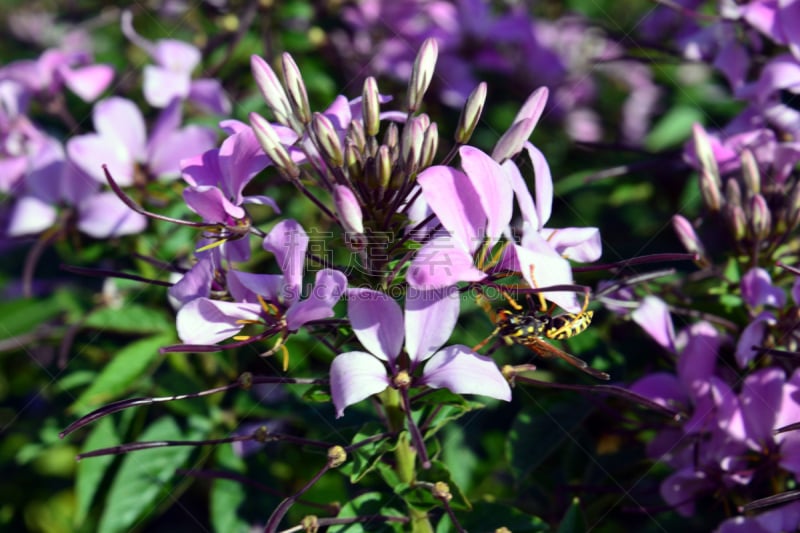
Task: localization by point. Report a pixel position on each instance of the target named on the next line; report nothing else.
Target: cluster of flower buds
(759, 202)
(368, 168)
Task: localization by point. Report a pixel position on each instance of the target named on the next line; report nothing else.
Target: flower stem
(405, 455)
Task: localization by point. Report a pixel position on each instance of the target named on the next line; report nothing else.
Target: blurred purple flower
(46, 76)
(53, 180)
(122, 144)
(171, 76)
(430, 317)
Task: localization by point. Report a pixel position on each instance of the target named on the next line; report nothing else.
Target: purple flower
(217, 179)
(273, 300)
(52, 180)
(54, 69)
(380, 326)
(171, 76)
(778, 520)
(121, 142)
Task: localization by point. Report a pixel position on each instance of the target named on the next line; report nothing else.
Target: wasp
(530, 330)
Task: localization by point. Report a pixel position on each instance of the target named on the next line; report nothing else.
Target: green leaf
(142, 478)
(442, 407)
(126, 366)
(573, 521)
(534, 438)
(22, 316)
(423, 499)
(131, 318)
(91, 471)
(364, 458)
(673, 128)
(369, 504)
(227, 496)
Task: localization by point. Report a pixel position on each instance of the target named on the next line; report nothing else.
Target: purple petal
(87, 82)
(757, 289)
(698, 359)
(680, 489)
(662, 388)
(377, 321)
(441, 263)
(327, 290)
(175, 55)
(451, 195)
(202, 169)
(208, 94)
(29, 216)
(463, 371)
(752, 335)
(91, 151)
(578, 244)
(355, 376)
(289, 242)
(161, 86)
(196, 283)
(790, 14)
(760, 400)
(211, 204)
(246, 287)
(165, 157)
(547, 269)
(493, 187)
(653, 316)
(240, 158)
(430, 319)
(204, 321)
(105, 215)
(544, 184)
(524, 200)
(119, 119)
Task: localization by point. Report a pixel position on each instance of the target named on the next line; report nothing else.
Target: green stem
(405, 455)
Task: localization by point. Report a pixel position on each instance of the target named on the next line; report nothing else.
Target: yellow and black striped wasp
(530, 329)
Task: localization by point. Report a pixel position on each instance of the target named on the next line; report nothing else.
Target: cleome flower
(381, 326)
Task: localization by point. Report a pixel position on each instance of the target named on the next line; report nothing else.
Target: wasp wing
(545, 349)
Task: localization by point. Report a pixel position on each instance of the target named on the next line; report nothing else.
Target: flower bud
(371, 107)
(355, 134)
(271, 143)
(411, 147)
(271, 89)
(429, 146)
(471, 113)
(688, 237)
(383, 167)
(352, 158)
(296, 89)
(733, 193)
(750, 173)
(348, 208)
(737, 221)
(336, 456)
(422, 73)
(793, 211)
(392, 137)
(327, 140)
(709, 189)
(512, 140)
(760, 217)
(441, 491)
(705, 154)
